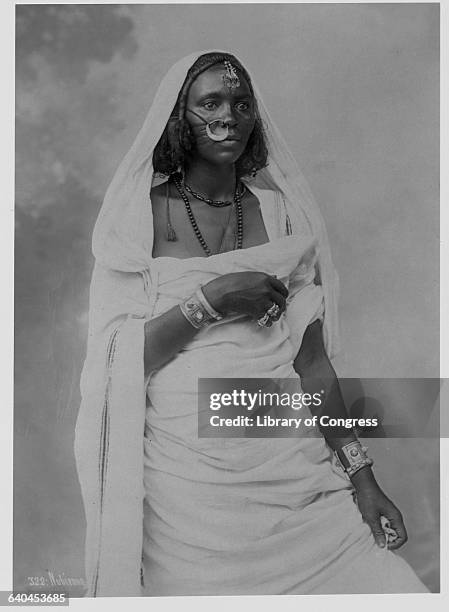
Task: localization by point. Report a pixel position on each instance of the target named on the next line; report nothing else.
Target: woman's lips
(229, 141)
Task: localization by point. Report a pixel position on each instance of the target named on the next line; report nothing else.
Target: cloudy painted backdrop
(354, 88)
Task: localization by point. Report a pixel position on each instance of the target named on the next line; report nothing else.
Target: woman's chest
(183, 232)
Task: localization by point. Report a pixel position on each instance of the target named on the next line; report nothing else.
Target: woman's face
(210, 98)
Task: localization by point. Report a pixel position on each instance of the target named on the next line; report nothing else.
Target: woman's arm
(248, 293)
(165, 336)
(317, 375)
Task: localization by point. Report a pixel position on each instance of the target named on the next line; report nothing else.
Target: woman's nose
(228, 115)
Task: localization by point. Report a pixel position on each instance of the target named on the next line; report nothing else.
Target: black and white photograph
(227, 375)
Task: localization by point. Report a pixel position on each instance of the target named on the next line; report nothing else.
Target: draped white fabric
(109, 432)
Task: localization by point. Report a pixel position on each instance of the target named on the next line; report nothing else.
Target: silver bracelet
(355, 456)
(207, 305)
(198, 311)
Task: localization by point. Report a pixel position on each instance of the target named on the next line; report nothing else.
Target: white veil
(110, 425)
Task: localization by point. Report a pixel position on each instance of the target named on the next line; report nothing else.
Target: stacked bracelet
(355, 457)
(198, 311)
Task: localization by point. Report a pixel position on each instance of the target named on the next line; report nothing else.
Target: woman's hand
(249, 293)
(374, 504)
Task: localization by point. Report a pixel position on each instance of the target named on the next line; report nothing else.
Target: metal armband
(198, 311)
(352, 457)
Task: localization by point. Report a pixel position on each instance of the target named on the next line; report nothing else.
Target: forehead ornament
(230, 77)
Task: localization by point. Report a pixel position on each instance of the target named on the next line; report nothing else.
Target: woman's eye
(242, 106)
(210, 105)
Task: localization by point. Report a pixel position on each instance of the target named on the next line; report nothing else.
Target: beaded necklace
(196, 229)
(209, 201)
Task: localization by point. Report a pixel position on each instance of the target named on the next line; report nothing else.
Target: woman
(222, 270)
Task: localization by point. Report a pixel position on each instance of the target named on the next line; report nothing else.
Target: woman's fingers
(274, 299)
(377, 530)
(278, 286)
(280, 300)
(396, 528)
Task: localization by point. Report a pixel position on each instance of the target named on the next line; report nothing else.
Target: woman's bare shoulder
(158, 193)
(158, 196)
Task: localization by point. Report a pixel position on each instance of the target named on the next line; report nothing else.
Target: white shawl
(110, 426)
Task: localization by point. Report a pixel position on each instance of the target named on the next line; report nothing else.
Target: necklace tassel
(171, 234)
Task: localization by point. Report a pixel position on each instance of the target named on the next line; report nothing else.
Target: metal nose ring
(217, 130)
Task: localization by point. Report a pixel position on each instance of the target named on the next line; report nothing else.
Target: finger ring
(274, 312)
(265, 320)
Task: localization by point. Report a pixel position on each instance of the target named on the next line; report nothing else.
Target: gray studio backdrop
(354, 89)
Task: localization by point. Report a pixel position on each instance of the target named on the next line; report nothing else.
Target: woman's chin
(224, 152)
(226, 156)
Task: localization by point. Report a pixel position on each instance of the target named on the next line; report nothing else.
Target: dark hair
(177, 139)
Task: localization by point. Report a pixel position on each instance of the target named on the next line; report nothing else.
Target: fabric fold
(110, 421)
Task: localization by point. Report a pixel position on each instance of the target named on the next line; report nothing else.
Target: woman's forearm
(243, 293)
(165, 336)
(320, 376)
